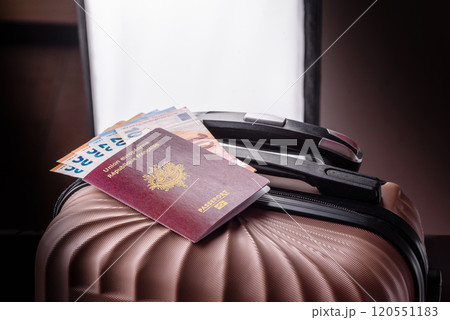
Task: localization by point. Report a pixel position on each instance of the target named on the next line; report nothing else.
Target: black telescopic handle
(335, 148)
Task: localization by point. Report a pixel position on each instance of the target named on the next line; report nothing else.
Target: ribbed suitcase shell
(98, 249)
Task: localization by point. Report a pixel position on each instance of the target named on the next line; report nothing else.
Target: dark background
(384, 83)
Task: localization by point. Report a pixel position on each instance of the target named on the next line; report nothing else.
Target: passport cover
(178, 184)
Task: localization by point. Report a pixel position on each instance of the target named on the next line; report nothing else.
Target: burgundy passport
(178, 184)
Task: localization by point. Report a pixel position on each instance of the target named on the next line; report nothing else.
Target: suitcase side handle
(327, 179)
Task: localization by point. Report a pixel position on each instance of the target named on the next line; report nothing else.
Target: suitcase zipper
(360, 211)
(375, 219)
(308, 199)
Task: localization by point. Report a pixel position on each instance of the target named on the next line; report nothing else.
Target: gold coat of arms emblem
(166, 177)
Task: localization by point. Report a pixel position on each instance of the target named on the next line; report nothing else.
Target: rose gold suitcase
(97, 249)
